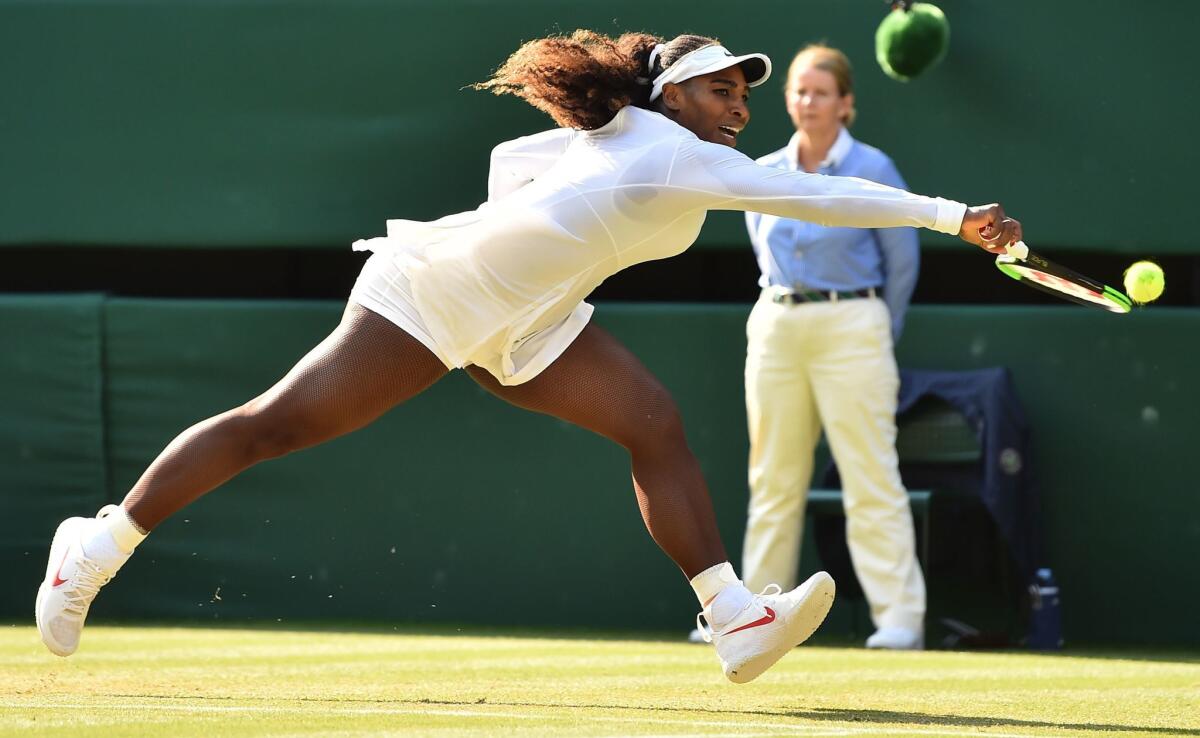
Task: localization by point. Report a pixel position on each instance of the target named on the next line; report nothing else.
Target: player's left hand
(987, 227)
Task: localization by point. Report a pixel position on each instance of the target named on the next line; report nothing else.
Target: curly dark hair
(582, 80)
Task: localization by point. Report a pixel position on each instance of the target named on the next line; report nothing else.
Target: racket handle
(1018, 250)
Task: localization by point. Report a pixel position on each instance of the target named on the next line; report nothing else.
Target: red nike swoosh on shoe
(764, 620)
(58, 574)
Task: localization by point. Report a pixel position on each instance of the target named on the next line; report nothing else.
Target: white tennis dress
(502, 286)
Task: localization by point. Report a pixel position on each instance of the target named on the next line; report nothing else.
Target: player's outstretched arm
(989, 228)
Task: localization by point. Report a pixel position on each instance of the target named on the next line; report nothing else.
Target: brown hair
(828, 59)
(582, 80)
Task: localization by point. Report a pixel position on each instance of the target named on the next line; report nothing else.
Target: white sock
(111, 540)
(710, 582)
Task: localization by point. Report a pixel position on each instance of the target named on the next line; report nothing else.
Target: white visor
(706, 59)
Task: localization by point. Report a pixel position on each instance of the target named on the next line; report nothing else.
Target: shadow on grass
(823, 714)
(840, 715)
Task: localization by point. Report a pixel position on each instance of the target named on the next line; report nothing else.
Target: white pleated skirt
(384, 287)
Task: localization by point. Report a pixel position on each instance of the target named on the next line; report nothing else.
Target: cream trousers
(828, 364)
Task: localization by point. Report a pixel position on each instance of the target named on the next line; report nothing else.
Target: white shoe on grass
(750, 635)
(71, 583)
(897, 639)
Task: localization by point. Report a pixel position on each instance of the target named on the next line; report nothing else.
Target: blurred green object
(912, 38)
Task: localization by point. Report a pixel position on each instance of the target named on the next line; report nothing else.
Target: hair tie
(657, 52)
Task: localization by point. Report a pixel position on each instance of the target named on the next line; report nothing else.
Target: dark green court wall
(168, 123)
(52, 460)
(459, 508)
(172, 124)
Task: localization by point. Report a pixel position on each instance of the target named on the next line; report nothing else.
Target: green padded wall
(457, 507)
(301, 123)
(52, 456)
(1111, 402)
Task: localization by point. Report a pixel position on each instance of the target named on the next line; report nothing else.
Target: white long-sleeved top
(566, 209)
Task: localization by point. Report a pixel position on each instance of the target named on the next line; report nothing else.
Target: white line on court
(292, 709)
(775, 728)
(709, 735)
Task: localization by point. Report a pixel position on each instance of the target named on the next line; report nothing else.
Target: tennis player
(644, 150)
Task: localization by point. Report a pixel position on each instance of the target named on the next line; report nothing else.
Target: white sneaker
(697, 636)
(752, 635)
(71, 583)
(897, 639)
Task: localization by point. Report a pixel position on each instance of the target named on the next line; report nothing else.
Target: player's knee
(266, 433)
(658, 422)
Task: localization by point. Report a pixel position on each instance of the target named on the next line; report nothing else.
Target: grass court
(128, 682)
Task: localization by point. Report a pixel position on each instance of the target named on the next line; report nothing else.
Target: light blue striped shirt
(799, 255)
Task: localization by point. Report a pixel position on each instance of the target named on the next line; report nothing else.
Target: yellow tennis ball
(1144, 281)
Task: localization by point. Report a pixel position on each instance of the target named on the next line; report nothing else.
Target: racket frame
(1021, 257)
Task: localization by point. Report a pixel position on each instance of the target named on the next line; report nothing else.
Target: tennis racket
(1040, 273)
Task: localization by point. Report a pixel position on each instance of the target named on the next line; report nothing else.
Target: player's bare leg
(360, 371)
(599, 385)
